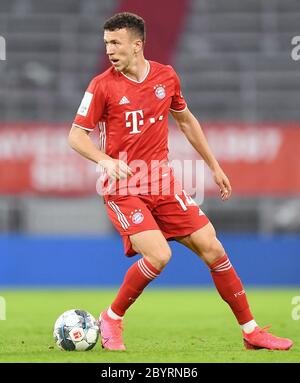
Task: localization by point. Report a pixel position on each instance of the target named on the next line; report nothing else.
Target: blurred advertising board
(259, 159)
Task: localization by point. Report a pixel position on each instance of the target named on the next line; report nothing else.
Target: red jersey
(132, 116)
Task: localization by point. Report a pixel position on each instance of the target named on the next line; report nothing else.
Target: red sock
(136, 279)
(231, 289)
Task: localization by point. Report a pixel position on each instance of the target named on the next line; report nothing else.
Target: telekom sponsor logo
(134, 120)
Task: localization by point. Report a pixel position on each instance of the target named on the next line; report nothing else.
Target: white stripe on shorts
(121, 217)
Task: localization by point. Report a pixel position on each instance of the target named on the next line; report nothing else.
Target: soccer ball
(76, 330)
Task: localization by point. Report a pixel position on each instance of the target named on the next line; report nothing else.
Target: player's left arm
(191, 128)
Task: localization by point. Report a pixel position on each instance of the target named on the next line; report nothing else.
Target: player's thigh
(204, 243)
(130, 215)
(178, 215)
(153, 246)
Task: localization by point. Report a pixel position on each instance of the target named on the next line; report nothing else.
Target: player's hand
(116, 169)
(222, 181)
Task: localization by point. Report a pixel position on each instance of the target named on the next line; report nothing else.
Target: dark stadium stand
(235, 61)
(53, 50)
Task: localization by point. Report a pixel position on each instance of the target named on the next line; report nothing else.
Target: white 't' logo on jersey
(134, 119)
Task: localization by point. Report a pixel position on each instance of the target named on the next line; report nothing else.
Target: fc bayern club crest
(160, 91)
(137, 216)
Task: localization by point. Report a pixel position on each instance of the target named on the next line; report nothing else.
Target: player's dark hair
(127, 20)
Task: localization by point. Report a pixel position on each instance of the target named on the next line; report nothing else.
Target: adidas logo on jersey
(124, 100)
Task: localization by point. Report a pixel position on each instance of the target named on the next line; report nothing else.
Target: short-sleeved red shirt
(132, 116)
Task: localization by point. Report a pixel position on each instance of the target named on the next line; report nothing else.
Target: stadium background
(238, 76)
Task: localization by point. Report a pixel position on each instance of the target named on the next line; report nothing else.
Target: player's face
(120, 48)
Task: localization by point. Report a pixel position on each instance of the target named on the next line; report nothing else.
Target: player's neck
(138, 70)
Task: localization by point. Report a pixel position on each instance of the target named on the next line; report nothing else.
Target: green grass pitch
(164, 325)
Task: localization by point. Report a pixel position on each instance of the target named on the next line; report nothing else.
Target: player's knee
(159, 257)
(209, 248)
(214, 250)
(165, 257)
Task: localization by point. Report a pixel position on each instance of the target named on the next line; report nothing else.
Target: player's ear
(138, 45)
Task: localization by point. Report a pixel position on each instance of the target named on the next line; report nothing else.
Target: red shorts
(174, 215)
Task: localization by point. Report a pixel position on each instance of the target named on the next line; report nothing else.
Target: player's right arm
(80, 141)
(88, 116)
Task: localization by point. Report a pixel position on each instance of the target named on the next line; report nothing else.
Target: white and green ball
(76, 330)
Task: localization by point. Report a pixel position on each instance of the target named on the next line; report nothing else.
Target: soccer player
(130, 103)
